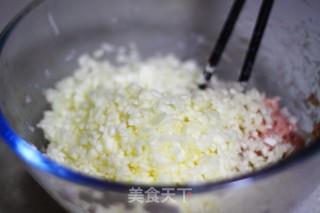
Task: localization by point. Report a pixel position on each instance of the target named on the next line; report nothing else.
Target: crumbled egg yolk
(146, 121)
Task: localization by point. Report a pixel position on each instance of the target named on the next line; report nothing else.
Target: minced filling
(146, 121)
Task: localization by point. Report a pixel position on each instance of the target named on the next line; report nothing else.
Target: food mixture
(146, 121)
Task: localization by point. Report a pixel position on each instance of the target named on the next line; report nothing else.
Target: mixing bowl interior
(44, 45)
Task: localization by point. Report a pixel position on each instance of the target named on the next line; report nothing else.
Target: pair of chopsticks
(225, 34)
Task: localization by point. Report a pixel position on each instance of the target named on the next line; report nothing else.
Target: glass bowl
(41, 45)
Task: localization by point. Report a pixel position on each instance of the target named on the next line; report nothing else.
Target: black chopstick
(223, 38)
(255, 41)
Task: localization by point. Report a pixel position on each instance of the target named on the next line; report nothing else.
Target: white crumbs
(28, 99)
(146, 121)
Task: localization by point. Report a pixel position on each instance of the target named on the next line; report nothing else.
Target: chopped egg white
(146, 121)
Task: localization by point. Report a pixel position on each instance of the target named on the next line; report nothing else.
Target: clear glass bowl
(41, 44)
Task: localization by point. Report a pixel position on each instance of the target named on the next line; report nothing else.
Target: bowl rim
(31, 156)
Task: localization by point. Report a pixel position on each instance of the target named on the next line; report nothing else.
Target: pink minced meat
(282, 126)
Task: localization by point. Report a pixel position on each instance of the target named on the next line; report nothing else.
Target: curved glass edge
(12, 24)
(31, 156)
